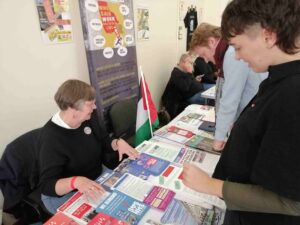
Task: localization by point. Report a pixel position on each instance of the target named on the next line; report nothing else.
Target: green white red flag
(147, 118)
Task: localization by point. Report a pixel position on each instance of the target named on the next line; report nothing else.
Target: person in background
(182, 86)
(74, 147)
(201, 67)
(236, 84)
(258, 172)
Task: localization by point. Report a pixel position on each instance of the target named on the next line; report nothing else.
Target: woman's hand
(197, 179)
(91, 189)
(199, 77)
(124, 148)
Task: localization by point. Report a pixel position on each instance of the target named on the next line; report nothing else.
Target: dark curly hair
(279, 16)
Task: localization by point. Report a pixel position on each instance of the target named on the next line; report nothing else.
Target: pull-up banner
(108, 29)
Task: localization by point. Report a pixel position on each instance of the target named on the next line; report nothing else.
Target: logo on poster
(129, 39)
(99, 41)
(108, 53)
(128, 24)
(124, 10)
(96, 24)
(91, 5)
(122, 51)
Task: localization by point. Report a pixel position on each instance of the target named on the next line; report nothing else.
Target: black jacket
(201, 67)
(180, 88)
(18, 168)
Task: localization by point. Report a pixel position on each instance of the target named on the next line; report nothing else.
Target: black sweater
(72, 152)
(182, 84)
(201, 67)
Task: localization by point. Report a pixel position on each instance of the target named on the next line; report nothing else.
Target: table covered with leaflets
(149, 190)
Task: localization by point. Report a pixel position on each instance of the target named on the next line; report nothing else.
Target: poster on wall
(143, 23)
(108, 30)
(55, 21)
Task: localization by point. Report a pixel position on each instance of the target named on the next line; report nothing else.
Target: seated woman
(74, 147)
(182, 87)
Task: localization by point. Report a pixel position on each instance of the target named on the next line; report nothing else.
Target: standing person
(236, 84)
(258, 172)
(74, 147)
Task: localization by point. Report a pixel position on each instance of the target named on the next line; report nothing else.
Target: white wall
(31, 71)
(158, 55)
(213, 10)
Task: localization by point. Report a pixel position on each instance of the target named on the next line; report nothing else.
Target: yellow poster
(55, 21)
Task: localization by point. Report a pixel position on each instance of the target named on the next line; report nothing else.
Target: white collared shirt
(59, 121)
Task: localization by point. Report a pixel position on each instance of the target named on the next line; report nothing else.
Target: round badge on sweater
(87, 130)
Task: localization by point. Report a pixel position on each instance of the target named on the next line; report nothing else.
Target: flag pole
(146, 98)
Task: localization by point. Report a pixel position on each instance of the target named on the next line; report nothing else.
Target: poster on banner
(108, 30)
(55, 20)
(143, 29)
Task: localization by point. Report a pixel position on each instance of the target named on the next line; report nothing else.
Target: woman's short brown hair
(279, 16)
(72, 92)
(203, 32)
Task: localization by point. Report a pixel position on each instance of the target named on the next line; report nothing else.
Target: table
(209, 94)
(193, 206)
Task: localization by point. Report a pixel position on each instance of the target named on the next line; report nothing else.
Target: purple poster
(108, 29)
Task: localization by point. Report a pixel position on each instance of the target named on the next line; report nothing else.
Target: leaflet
(176, 213)
(182, 136)
(123, 207)
(190, 155)
(81, 209)
(104, 219)
(133, 186)
(187, 118)
(159, 150)
(171, 178)
(60, 219)
(157, 197)
(147, 165)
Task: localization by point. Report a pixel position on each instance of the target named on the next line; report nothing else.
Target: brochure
(147, 165)
(60, 219)
(123, 207)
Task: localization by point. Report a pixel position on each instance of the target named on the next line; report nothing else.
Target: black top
(190, 22)
(263, 147)
(201, 67)
(183, 84)
(71, 152)
(180, 88)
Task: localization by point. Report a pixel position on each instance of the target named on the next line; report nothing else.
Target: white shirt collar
(58, 121)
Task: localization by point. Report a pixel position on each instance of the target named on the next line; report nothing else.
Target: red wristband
(73, 182)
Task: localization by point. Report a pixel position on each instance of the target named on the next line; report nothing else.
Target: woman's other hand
(197, 179)
(124, 148)
(91, 189)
